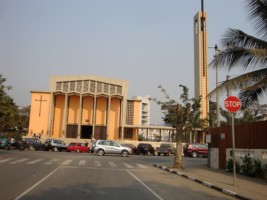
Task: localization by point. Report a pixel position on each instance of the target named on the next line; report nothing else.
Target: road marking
(148, 188)
(50, 162)
(82, 162)
(112, 164)
(18, 161)
(142, 166)
(34, 161)
(66, 162)
(97, 163)
(6, 160)
(36, 184)
(128, 166)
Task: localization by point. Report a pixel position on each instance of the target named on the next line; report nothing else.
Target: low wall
(260, 154)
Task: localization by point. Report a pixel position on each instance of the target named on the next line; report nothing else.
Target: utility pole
(217, 84)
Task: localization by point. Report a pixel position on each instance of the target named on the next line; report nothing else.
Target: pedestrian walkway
(71, 162)
(220, 180)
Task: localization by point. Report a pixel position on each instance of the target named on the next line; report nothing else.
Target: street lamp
(217, 84)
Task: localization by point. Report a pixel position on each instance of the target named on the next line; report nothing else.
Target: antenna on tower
(202, 17)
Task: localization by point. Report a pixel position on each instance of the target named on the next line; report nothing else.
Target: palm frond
(250, 95)
(247, 80)
(257, 13)
(242, 50)
(238, 38)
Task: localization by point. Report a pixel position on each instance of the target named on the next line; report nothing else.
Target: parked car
(78, 147)
(145, 149)
(33, 143)
(55, 145)
(102, 147)
(133, 147)
(196, 149)
(3, 142)
(166, 149)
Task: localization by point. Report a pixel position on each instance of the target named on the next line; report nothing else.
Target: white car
(102, 147)
(55, 145)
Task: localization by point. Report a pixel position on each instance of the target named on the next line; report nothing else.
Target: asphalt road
(28, 175)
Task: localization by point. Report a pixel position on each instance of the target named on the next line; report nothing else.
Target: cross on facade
(40, 106)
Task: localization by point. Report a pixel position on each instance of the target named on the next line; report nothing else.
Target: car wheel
(31, 148)
(55, 149)
(194, 154)
(124, 153)
(100, 152)
(78, 151)
(158, 154)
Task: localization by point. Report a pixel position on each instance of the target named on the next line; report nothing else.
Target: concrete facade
(82, 107)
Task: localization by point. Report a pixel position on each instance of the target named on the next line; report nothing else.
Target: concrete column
(94, 117)
(80, 116)
(65, 119)
(108, 116)
(122, 121)
(50, 117)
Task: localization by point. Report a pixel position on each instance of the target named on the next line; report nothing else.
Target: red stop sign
(232, 103)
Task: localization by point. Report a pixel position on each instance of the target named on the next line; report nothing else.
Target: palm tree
(247, 52)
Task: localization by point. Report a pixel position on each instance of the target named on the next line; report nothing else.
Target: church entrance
(86, 132)
(72, 131)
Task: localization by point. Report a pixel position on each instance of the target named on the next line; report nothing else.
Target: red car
(78, 147)
(196, 149)
(134, 149)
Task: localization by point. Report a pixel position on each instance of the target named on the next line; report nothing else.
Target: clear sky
(147, 42)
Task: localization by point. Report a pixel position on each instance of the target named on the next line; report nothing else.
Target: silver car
(102, 147)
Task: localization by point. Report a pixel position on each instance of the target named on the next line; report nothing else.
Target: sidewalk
(220, 180)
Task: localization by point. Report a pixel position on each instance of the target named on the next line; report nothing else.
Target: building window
(112, 89)
(72, 86)
(92, 86)
(79, 86)
(119, 89)
(99, 87)
(129, 113)
(128, 133)
(58, 86)
(65, 86)
(86, 86)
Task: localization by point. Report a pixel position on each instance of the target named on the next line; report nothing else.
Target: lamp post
(217, 84)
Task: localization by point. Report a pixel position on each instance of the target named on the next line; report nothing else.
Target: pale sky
(147, 42)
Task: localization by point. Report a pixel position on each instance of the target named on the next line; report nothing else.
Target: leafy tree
(8, 109)
(178, 115)
(247, 52)
(10, 115)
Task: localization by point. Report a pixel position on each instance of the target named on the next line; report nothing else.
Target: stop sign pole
(233, 104)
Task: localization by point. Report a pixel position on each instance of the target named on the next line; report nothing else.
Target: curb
(207, 184)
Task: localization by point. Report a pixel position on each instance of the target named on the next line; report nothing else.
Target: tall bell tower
(201, 60)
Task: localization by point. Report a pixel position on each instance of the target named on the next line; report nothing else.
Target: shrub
(141, 137)
(230, 166)
(259, 170)
(248, 167)
(252, 167)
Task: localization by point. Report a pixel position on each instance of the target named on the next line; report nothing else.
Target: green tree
(247, 52)
(178, 116)
(24, 116)
(8, 108)
(11, 116)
